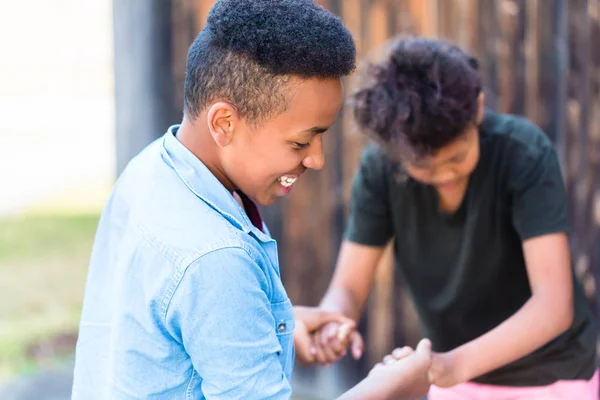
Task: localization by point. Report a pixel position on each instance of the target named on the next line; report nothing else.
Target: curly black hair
(249, 49)
(421, 97)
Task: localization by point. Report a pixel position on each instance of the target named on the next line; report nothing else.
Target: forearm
(342, 300)
(364, 391)
(540, 320)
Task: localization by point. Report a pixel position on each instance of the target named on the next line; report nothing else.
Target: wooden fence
(540, 58)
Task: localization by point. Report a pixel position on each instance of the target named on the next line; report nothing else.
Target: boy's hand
(402, 375)
(310, 320)
(332, 342)
(444, 372)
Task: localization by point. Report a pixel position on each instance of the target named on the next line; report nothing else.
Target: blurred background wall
(94, 82)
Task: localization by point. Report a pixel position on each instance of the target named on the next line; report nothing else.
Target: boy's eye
(301, 145)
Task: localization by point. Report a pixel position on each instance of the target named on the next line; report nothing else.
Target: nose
(315, 159)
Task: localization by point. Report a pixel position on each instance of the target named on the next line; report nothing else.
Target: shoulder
(156, 202)
(377, 164)
(517, 135)
(517, 148)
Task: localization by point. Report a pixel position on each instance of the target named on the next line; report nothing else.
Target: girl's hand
(446, 370)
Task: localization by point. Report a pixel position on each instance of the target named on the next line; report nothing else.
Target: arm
(368, 230)
(221, 315)
(540, 217)
(352, 279)
(405, 379)
(547, 314)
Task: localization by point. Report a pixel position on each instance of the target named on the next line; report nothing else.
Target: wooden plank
(532, 61)
(594, 142)
(183, 27)
(511, 56)
(424, 16)
(448, 14)
(577, 167)
(380, 310)
(487, 29)
(201, 7)
(457, 22)
(549, 37)
(144, 99)
(353, 142)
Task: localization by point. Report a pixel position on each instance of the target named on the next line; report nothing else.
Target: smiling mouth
(286, 180)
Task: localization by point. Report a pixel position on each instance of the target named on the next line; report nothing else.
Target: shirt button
(281, 327)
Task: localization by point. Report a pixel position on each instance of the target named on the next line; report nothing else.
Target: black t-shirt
(466, 271)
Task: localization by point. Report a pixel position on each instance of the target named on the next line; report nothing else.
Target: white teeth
(286, 181)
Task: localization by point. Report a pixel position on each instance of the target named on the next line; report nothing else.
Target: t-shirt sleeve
(538, 195)
(369, 221)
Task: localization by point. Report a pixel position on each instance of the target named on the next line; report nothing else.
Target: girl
(475, 205)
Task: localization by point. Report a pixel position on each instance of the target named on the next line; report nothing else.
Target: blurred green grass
(43, 266)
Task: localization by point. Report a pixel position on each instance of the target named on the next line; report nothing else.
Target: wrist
(340, 300)
(460, 364)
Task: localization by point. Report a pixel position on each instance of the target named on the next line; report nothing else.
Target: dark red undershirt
(251, 210)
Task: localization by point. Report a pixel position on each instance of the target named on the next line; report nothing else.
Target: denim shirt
(184, 298)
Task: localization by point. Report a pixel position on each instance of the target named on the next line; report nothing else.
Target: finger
(387, 360)
(331, 355)
(317, 318)
(325, 355)
(356, 345)
(319, 356)
(344, 331)
(333, 342)
(424, 348)
(331, 330)
(303, 344)
(376, 366)
(399, 354)
(423, 352)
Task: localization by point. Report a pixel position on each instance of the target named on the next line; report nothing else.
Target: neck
(197, 138)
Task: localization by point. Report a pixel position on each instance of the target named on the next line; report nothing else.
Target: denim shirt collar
(198, 178)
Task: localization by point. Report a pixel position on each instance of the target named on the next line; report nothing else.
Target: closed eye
(301, 145)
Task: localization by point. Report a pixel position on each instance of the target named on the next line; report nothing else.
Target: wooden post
(549, 39)
(487, 29)
(579, 179)
(594, 149)
(511, 56)
(424, 16)
(144, 99)
(380, 306)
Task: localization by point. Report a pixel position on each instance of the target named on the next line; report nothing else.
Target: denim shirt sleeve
(221, 314)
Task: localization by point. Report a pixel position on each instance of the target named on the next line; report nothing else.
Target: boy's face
(264, 161)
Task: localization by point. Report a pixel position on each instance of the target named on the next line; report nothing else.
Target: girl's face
(450, 166)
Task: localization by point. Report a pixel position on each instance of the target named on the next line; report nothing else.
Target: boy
(184, 298)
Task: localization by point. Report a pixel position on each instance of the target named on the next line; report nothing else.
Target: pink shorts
(561, 390)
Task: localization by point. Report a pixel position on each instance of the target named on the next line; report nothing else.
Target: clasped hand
(324, 337)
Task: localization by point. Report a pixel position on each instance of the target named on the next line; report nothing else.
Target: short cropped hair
(249, 50)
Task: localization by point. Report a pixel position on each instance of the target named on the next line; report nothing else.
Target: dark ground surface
(46, 385)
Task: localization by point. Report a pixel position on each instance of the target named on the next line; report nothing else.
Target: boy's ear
(222, 119)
